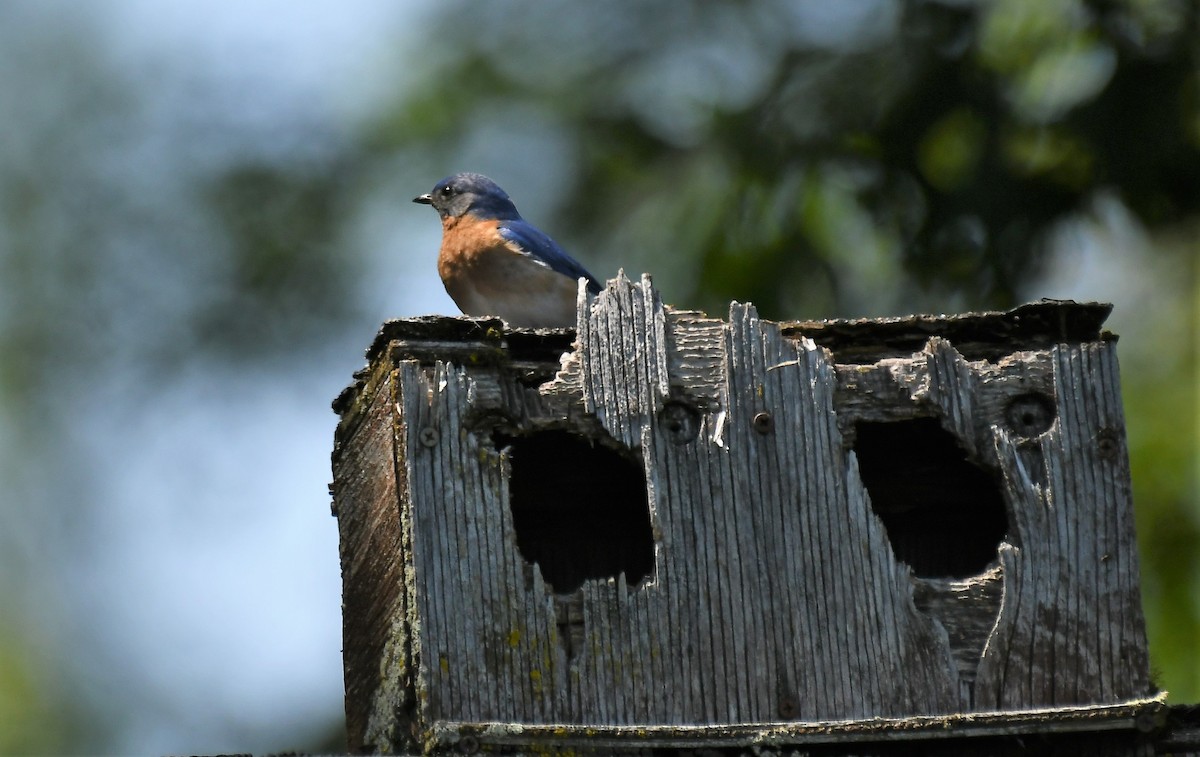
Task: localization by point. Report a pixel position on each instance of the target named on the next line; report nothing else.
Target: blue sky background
(171, 564)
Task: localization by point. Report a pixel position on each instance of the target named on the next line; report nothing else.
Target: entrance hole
(944, 515)
(579, 508)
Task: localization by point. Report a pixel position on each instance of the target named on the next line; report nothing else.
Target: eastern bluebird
(495, 263)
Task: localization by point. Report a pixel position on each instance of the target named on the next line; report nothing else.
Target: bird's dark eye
(447, 191)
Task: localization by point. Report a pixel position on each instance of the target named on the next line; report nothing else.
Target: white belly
(534, 297)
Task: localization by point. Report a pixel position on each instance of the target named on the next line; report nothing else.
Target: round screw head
(788, 709)
(429, 436)
(1108, 444)
(763, 423)
(1030, 414)
(680, 420)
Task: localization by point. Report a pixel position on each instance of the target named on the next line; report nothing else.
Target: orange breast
(466, 244)
(484, 276)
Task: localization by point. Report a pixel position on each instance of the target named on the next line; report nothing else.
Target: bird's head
(471, 193)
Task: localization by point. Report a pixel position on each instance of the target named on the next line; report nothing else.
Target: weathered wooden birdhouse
(675, 532)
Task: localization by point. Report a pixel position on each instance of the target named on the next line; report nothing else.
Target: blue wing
(533, 241)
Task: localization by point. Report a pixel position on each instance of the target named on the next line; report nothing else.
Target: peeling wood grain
(777, 594)
(376, 634)
(1070, 630)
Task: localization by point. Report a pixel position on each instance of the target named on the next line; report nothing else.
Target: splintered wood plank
(775, 595)
(776, 611)
(1070, 629)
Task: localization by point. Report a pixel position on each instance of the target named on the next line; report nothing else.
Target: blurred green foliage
(777, 151)
(818, 159)
(864, 158)
(283, 282)
(131, 251)
(25, 718)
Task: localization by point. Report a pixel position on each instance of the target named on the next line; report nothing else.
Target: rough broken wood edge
(1042, 322)
(1137, 715)
(975, 335)
(481, 342)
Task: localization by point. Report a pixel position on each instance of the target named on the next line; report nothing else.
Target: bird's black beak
(425, 199)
